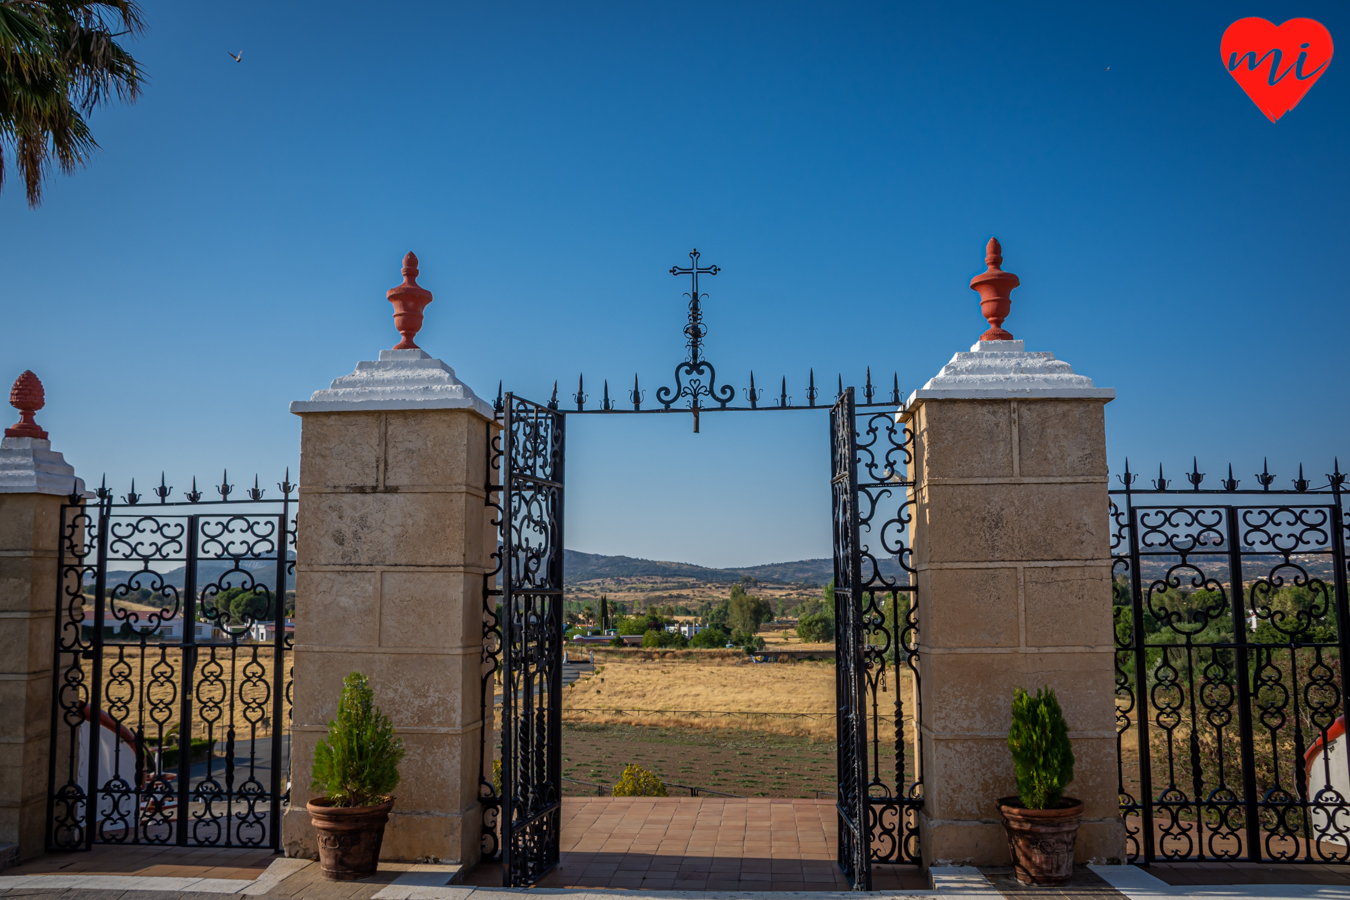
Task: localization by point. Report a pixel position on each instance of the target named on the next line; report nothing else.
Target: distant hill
(578, 567)
(263, 571)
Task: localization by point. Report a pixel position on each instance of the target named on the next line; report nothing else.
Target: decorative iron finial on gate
(409, 299)
(995, 287)
(163, 491)
(27, 397)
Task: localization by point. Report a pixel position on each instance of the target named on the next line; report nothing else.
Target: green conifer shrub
(1042, 754)
(638, 782)
(358, 764)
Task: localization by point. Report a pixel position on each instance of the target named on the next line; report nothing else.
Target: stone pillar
(34, 482)
(1012, 550)
(394, 538)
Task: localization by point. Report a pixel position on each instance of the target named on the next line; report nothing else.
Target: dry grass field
(714, 689)
(714, 719)
(747, 763)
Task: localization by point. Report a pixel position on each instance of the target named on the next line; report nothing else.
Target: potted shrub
(356, 768)
(1042, 823)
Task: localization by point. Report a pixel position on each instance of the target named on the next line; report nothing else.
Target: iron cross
(694, 330)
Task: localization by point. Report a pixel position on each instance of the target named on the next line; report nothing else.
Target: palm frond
(59, 59)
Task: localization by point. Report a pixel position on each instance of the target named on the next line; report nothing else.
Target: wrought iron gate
(532, 635)
(171, 682)
(876, 631)
(850, 664)
(1232, 627)
(880, 785)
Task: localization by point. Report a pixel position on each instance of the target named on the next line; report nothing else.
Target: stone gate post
(34, 482)
(1011, 546)
(393, 541)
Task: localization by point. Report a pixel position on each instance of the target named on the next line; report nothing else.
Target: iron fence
(1230, 614)
(171, 689)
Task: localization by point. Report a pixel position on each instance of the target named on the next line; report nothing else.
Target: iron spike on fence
(1300, 483)
(753, 395)
(285, 486)
(132, 498)
(194, 495)
(1128, 479)
(225, 487)
(868, 390)
(254, 493)
(841, 388)
(783, 399)
(607, 405)
(163, 491)
(553, 401)
(1337, 478)
(895, 388)
(1230, 483)
(635, 395)
(811, 391)
(1195, 476)
(1265, 478)
(580, 395)
(499, 405)
(1162, 483)
(102, 492)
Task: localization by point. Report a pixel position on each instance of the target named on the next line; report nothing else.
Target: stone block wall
(30, 525)
(1011, 546)
(394, 538)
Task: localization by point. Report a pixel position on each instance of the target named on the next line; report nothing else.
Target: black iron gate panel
(1231, 625)
(532, 599)
(850, 665)
(170, 694)
(889, 618)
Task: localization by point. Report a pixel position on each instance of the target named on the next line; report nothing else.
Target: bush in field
(638, 782)
(639, 624)
(710, 638)
(816, 628)
(663, 638)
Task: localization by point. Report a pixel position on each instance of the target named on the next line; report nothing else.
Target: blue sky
(228, 250)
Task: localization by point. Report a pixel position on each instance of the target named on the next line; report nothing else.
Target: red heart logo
(1276, 65)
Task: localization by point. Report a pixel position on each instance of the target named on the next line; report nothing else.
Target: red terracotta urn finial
(27, 397)
(409, 300)
(994, 287)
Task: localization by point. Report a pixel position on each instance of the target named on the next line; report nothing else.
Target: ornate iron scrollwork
(1231, 622)
(532, 635)
(171, 648)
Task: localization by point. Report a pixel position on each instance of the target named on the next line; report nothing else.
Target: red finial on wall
(27, 397)
(994, 287)
(409, 300)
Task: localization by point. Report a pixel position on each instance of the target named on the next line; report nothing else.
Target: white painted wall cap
(400, 379)
(993, 370)
(31, 466)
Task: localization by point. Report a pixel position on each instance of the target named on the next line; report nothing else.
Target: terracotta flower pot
(349, 837)
(1041, 841)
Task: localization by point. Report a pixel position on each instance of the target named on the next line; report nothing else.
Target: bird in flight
(1107, 69)
(239, 57)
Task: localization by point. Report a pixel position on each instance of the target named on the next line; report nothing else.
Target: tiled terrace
(697, 844)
